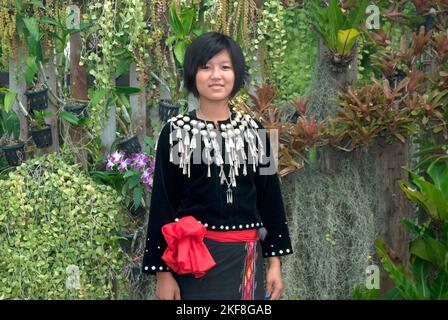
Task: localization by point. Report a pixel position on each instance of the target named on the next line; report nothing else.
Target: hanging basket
(339, 63)
(79, 110)
(135, 213)
(396, 79)
(42, 137)
(129, 146)
(167, 111)
(37, 100)
(14, 154)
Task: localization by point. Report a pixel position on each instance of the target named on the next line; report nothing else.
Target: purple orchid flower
(123, 166)
(110, 164)
(140, 160)
(117, 156)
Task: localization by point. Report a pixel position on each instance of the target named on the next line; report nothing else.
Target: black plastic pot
(294, 117)
(167, 111)
(136, 212)
(14, 154)
(37, 100)
(78, 110)
(42, 137)
(126, 244)
(393, 81)
(129, 146)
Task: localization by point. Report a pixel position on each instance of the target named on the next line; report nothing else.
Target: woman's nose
(216, 73)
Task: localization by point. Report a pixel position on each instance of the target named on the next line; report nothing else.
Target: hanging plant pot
(37, 100)
(42, 137)
(167, 110)
(129, 146)
(130, 238)
(14, 154)
(294, 117)
(79, 110)
(396, 79)
(136, 212)
(339, 63)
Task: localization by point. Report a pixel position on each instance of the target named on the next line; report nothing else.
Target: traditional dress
(216, 207)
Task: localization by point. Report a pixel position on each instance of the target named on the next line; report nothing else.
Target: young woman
(216, 208)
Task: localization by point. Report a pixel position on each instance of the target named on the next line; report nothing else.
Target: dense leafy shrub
(54, 217)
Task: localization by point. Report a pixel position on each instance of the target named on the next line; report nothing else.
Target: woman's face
(215, 80)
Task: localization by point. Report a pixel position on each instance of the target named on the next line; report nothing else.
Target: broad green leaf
(31, 69)
(82, 26)
(439, 287)
(395, 270)
(137, 197)
(170, 40)
(33, 28)
(69, 117)
(438, 171)
(51, 21)
(123, 100)
(346, 40)
(174, 21)
(179, 51)
(420, 269)
(9, 100)
(128, 174)
(418, 248)
(123, 66)
(97, 96)
(187, 20)
(437, 252)
(134, 181)
(127, 90)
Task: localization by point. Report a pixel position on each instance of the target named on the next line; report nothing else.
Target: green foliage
(294, 75)
(53, 216)
(338, 30)
(428, 274)
(184, 28)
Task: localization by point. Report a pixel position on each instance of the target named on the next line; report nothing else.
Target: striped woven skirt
(238, 274)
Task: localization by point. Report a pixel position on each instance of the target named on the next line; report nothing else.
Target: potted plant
(12, 147)
(338, 29)
(184, 29)
(41, 131)
(76, 107)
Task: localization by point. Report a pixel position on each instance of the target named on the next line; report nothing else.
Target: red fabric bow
(186, 251)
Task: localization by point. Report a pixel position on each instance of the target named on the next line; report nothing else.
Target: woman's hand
(167, 287)
(274, 283)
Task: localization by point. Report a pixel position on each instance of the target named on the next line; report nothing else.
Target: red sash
(186, 251)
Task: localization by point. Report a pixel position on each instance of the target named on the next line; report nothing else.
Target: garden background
(358, 91)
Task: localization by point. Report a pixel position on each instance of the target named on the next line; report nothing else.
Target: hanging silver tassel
(229, 196)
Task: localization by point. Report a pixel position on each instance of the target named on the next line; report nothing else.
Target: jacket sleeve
(270, 204)
(164, 202)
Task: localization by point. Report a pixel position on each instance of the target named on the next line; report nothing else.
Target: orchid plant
(129, 176)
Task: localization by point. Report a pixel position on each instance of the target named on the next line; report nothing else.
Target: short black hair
(205, 47)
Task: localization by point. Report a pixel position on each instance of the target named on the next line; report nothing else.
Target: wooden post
(52, 120)
(78, 74)
(78, 87)
(17, 84)
(109, 129)
(330, 158)
(138, 105)
(392, 205)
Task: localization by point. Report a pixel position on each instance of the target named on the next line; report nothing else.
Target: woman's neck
(214, 110)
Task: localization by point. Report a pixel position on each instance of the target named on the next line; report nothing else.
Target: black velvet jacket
(257, 202)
